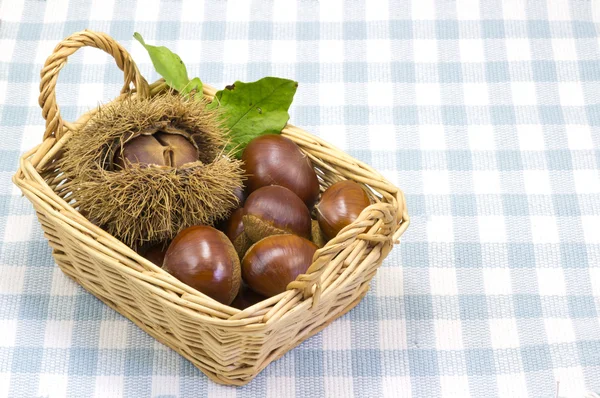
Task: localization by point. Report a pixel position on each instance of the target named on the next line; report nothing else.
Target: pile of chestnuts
(272, 237)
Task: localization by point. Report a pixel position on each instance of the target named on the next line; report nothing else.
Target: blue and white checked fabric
(486, 113)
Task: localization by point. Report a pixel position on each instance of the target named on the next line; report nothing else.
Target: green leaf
(253, 109)
(194, 85)
(167, 64)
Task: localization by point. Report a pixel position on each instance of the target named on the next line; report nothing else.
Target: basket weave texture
(230, 346)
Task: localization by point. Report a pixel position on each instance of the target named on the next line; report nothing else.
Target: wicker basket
(228, 345)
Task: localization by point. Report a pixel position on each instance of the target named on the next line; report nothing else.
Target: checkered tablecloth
(486, 113)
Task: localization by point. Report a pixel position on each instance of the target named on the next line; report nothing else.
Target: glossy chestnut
(156, 254)
(240, 194)
(272, 263)
(246, 298)
(275, 210)
(204, 258)
(276, 160)
(340, 205)
(233, 227)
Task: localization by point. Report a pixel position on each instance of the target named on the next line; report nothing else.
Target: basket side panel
(225, 355)
(303, 321)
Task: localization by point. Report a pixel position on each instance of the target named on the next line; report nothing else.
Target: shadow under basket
(230, 346)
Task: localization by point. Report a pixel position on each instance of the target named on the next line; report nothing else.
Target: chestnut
(246, 298)
(275, 210)
(204, 258)
(240, 194)
(316, 236)
(275, 160)
(179, 150)
(156, 254)
(340, 205)
(233, 227)
(272, 263)
(160, 149)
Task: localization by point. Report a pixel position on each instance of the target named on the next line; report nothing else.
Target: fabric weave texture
(485, 112)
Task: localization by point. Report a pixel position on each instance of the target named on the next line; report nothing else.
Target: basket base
(212, 375)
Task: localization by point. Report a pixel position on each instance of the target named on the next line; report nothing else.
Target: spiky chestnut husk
(151, 203)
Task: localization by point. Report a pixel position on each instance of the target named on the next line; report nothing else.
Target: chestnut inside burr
(160, 149)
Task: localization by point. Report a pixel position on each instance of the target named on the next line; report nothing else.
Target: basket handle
(55, 62)
(366, 229)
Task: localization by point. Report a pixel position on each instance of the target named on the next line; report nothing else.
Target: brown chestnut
(204, 258)
(275, 210)
(233, 227)
(161, 149)
(316, 236)
(246, 298)
(179, 149)
(272, 263)
(156, 254)
(340, 205)
(240, 194)
(275, 160)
